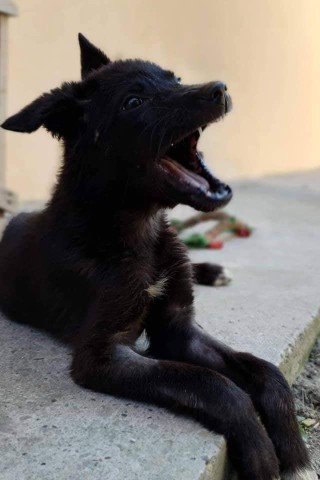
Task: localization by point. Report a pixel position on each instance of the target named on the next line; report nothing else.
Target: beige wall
(268, 52)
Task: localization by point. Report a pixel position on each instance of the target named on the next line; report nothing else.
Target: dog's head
(136, 128)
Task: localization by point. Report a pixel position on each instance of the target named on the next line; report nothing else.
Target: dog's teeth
(200, 130)
(172, 144)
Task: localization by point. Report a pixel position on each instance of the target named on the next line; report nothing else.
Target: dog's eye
(132, 102)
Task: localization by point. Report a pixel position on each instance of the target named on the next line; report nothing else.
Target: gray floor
(51, 429)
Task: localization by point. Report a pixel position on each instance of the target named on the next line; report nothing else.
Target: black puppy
(100, 264)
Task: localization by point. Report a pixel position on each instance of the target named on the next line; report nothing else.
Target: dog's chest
(146, 275)
(159, 287)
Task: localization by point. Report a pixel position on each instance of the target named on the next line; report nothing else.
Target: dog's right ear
(60, 112)
(92, 57)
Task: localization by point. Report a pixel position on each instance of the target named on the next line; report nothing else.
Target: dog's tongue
(183, 174)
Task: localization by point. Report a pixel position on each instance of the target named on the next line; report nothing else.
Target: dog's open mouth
(187, 172)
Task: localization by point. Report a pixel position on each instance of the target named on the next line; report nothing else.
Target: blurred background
(267, 51)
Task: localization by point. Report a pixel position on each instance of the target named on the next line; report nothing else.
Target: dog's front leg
(271, 396)
(175, 336)
(185, 341)
(104, 360)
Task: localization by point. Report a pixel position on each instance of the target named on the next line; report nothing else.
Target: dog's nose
(217, 91)
(214, 92)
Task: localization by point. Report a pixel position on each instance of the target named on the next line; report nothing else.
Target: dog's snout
(213, 92)
(216, 92)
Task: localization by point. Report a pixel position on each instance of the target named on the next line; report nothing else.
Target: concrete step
(52, 429)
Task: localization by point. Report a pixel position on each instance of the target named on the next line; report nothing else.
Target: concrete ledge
(298, 353)
(52, 429)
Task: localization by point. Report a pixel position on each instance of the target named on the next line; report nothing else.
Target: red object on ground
(243, 232)
(216, 245)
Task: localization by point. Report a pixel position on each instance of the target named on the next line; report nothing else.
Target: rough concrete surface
(52, 429)
(306, 392)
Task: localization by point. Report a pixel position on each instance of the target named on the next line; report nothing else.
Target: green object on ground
(196, 240)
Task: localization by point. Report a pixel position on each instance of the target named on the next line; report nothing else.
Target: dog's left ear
(92, 57)
(60, 111)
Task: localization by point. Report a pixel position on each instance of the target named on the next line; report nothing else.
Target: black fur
(100, 263)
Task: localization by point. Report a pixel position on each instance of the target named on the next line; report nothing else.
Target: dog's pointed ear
(59, 111)
(92, 57)
(27, 120)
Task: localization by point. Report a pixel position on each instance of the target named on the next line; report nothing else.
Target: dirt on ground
(306, 391)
